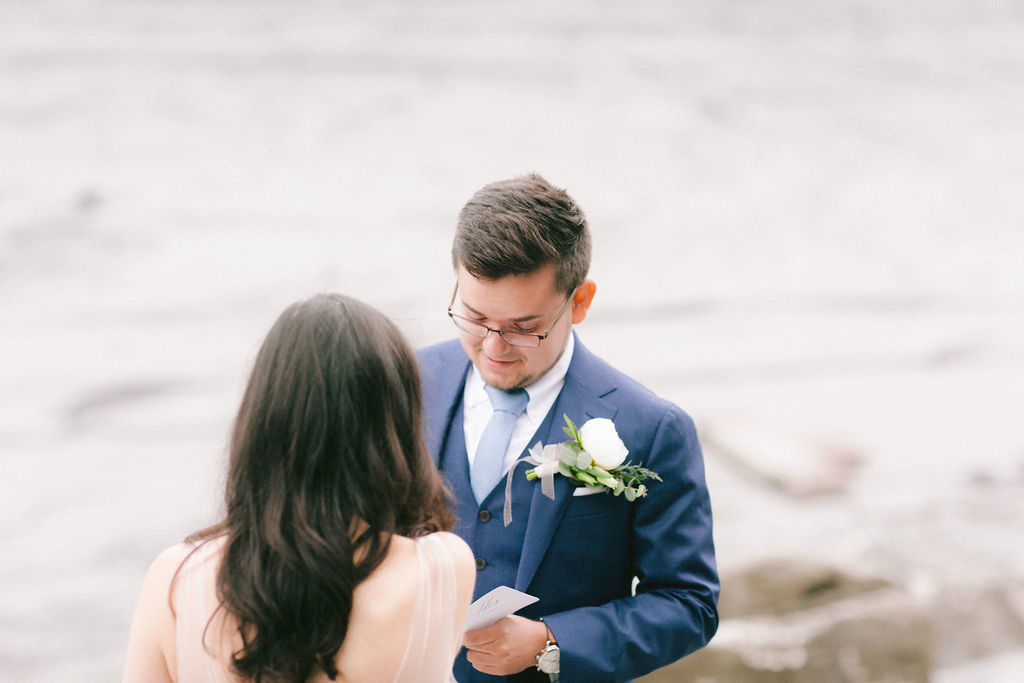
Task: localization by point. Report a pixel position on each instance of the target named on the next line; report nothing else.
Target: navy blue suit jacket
(581, 554)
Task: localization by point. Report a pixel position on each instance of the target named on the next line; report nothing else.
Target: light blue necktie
(490, 453)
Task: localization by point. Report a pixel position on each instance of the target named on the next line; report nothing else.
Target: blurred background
(808, 233)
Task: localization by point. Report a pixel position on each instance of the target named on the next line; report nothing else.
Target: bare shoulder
(403, 549)
(462, 558)
(151, 646)
(163, 568)
(170, 558)
(457, 548)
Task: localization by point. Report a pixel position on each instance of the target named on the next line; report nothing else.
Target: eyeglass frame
(501, 333)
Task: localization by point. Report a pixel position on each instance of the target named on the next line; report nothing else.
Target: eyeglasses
(511, 338)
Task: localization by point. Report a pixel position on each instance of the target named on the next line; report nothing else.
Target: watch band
(551, 636)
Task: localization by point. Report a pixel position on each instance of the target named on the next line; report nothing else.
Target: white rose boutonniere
(594, 456)
(599, 438)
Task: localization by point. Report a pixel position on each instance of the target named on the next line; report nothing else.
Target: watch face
(548, 660)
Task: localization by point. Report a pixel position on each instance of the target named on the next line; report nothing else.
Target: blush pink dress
(428, 654)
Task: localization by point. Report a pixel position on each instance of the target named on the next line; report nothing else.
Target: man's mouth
(497, 362)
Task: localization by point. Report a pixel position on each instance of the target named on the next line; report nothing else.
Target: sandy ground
(807, 220)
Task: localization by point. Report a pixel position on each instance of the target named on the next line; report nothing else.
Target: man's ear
(581, 300)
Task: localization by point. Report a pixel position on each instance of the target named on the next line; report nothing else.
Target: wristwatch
(549, 658)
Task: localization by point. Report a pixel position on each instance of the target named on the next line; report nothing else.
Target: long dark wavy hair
(327, 461)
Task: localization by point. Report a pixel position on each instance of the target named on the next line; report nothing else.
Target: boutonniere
(594, 457)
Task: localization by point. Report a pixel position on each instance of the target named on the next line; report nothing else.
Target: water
(806, 216)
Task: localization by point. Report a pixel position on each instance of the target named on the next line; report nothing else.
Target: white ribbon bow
(545, 462)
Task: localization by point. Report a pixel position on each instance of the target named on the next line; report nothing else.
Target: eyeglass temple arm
(451, 304)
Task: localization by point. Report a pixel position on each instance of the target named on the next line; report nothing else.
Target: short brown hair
(518, 226)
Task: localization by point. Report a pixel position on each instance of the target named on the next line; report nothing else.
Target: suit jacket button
(480, 563)
(484, 516)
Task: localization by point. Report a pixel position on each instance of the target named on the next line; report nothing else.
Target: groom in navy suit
(624, 587)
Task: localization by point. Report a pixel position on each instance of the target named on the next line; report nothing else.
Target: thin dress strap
(433, 642)
(193, 605)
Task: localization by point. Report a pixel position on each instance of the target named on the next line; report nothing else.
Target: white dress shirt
(542, 395)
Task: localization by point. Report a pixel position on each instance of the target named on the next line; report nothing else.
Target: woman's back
(327, 443)
(422, 583)
(405, 625)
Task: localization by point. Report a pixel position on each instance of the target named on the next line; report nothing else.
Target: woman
(332, 561)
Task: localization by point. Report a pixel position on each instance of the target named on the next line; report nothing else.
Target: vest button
(480, 563)
(484, 516)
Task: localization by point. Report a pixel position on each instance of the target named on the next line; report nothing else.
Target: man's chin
(503, 382)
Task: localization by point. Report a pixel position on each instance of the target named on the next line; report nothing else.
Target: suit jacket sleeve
(674, 609)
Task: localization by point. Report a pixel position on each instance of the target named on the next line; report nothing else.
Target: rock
(799, 466)
(792, 622)
(788, 585)
(976, 622)
(890, 642)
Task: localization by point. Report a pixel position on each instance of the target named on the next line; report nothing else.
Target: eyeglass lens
(513, 338)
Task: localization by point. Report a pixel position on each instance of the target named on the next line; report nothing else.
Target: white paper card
(500, 602)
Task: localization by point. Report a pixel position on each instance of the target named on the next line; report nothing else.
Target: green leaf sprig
(575, 464)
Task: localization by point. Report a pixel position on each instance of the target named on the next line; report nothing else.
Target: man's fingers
(479, 639)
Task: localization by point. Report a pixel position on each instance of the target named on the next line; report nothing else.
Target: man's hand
(507, 646)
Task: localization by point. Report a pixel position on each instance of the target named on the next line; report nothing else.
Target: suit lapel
(582, 398)
(449, 374)
(587, 383)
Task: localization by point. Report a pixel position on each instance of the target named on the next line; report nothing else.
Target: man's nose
(493, 342)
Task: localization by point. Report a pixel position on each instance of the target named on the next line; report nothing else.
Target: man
(521, 255)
